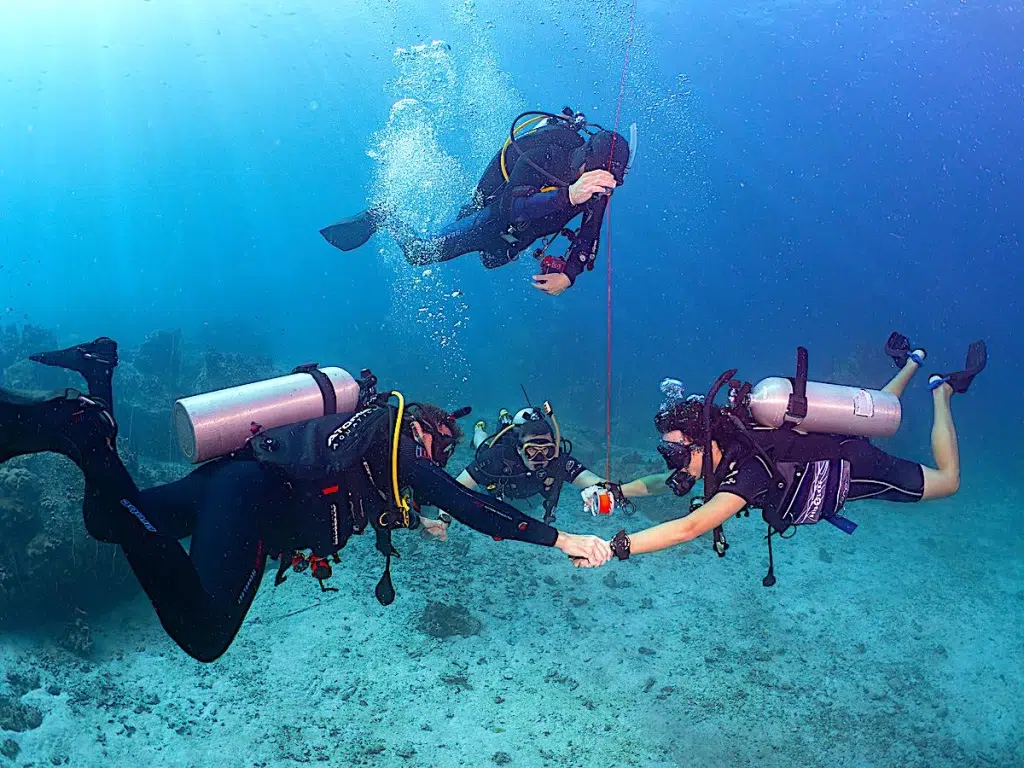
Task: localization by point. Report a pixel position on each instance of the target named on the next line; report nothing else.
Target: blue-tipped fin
(977, 359)
(351, 233)
(897, 347)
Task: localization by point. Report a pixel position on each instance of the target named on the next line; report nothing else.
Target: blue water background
(808, 173)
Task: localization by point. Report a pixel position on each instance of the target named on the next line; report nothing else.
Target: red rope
(608, 240)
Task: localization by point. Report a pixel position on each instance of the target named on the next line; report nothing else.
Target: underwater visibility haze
(793, 174)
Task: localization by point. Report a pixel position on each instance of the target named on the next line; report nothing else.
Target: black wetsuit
(507, 217)
(237, 510)
(500, 470)
(797, 479)
(874, 474)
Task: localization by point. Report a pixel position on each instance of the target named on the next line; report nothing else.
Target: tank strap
(796, 411)
(326, 387)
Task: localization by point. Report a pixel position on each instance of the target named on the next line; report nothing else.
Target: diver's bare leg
(944, 481)
(900, 380)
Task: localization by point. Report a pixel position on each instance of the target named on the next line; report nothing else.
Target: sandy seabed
(899, 645)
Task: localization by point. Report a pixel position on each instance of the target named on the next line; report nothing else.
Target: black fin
(351, 233)
(94, 360)
(82, 358)
(977, 359)
(898, 348)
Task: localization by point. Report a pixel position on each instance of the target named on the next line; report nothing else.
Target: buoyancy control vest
(336, 467)
(809, 479)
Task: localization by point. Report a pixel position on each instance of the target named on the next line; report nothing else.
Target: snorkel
(550, 413)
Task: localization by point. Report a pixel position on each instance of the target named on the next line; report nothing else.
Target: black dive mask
(677, 458)
(676, 455)
(442, 447)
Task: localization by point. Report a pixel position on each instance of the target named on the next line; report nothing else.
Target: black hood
(605, 150)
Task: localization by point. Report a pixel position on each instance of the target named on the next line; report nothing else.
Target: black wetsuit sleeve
(523, 198)
(584, 248)
(571, 469)
(434, 487)
(538, 205)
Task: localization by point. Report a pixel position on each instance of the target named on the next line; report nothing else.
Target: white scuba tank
(831, 408)
(524, 415)
(218, 423)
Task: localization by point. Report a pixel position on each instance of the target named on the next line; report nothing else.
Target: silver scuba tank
(218, 423)
(831, 408)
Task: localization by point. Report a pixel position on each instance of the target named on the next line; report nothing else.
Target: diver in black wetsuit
(528, 457)
(532, 189)
(288, 491)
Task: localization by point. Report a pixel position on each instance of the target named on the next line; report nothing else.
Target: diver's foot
(960, 381)
(94, 360)
(898, 348)
(89, 358)
(70, 424)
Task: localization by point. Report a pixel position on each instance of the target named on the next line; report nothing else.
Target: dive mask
(442, 447)
(677, 458)
(538, 451)
(676, 455)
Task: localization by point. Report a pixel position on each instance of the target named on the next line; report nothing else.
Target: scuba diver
(332, 458)
(798, 450)
(529, 457)
(545, 175)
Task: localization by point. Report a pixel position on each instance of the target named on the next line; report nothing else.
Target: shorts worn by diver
(874, 474)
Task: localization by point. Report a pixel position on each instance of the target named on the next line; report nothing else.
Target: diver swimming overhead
(552, 169)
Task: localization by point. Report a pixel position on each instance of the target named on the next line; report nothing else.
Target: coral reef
(50, 570)
(48, 564)
(160, 357)
(227, 369)
(16, 716)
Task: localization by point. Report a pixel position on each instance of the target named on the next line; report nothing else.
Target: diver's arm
(584, 248)
(432, 485)
(435, 487)
(648, 485)
(523, 196)
(526, 207)
(721, 507)
(586, 478)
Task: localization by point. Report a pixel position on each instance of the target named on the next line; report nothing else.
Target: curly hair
(434, 415)
(688, 418)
